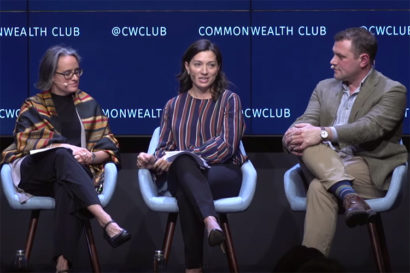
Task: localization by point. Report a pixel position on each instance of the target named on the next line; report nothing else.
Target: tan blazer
(375, 124)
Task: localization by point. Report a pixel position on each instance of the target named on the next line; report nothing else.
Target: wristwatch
(323, 133)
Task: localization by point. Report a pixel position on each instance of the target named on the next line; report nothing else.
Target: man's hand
(301, 136)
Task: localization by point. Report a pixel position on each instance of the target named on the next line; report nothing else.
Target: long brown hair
(185, 82)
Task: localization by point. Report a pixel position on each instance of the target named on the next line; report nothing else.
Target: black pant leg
(68, 225)
(185, 175)
(192, 228)
(40, 171)
(57, 173)
(195, 190)
(225, 180)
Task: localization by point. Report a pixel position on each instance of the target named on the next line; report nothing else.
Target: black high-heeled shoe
(216, 237)
(118, 239)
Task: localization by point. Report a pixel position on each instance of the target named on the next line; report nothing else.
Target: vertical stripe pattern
(210, 129)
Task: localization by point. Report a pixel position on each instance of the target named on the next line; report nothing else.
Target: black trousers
(56, 173)
(195, 190)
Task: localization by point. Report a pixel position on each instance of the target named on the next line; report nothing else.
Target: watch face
(324, 134)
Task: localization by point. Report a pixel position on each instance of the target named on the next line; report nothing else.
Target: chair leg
(92, 250)
(169, 234)
(379, 246)
(35, 214)
(230, 251)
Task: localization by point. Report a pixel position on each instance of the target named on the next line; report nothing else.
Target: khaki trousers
(324, 167)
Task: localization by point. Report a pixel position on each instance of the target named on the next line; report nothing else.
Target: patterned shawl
(36, 128)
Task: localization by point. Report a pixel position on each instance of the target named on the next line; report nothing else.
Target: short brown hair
(362, 41)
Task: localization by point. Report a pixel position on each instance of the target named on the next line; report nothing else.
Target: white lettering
(312, 31)
(23, 31)
(389, 30)
(65, 31)
(9, 113)
(126, 113)
(266, 113)
(245, 30)
(144, 31)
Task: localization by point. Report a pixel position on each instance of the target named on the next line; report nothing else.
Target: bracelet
(92, 157)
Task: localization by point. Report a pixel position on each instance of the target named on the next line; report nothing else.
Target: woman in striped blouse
(206, 119)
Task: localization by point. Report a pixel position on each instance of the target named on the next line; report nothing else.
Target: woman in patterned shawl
(205, 119)
(67, 128)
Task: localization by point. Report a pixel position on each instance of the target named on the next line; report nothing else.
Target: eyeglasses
(70, 73)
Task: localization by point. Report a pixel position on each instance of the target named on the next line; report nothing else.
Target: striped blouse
(208, 128)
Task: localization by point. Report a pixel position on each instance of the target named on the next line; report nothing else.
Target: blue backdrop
(274, 52)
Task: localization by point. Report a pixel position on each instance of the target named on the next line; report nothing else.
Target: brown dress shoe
(357, 211)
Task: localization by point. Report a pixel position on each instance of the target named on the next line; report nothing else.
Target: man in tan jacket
(348, 139)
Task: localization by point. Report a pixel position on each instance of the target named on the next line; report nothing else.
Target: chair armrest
(249, 178)
(110, 182)
(246, 193)
(393, 194)
(10, 191)
(146, 184)
(295, 189)
(149, 193)
(154, 141)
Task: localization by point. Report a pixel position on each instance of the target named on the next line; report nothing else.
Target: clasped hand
(148, 161)
(82, 155)
(301, 136)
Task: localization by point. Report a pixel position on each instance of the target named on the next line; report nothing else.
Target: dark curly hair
(185, 82)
